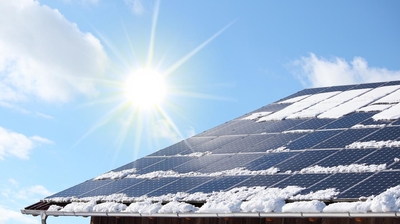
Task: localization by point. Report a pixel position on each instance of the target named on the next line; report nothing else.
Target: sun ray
(152, 35)
(194, 51)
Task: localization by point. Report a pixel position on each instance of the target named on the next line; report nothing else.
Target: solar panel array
(287, 144)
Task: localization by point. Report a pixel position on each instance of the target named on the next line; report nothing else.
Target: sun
(145, 88)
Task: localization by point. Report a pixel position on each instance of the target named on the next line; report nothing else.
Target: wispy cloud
(7, 215)
(13, 144)
(44, 56)
(136, 6)
(314, 71)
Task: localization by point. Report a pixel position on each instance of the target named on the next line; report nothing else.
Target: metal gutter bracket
(43, 217)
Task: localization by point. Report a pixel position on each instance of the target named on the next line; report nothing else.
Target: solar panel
(303, 160)
(314, 138)
(309, 128)
(374, 185)
(345, 138)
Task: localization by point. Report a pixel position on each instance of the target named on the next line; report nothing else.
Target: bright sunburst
(145, 88)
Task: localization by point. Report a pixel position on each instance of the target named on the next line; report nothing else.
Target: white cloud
(12, 216)
(13, 144)
(316, 71)
(136, 6)
(44, 56)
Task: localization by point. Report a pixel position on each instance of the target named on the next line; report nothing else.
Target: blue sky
(64, 116)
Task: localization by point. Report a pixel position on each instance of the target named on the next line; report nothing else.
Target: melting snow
(294, 99)
(352, 168)
(391, 98)
(298, 131)
(361, 126)
(389, 114)
(280, 149)
(373, 108)
(256, 116)
(373, 144)
(304, 206)
(116, 174)
(326, 194)
(196, 154)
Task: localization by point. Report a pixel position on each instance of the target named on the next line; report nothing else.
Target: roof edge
(217, 215)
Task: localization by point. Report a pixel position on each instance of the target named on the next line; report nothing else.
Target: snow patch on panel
(256, 116)
(389, 114)
(352, 168)
(373, 144)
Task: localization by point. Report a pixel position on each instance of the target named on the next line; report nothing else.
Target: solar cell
(238, 160)
(312, 124)
(279, 126)
(262, 180)
(242, 143)
(338, 88)
(193, 141)
(182, 185)
(369, 85)
(345, 157)
(301, 180)
(277, 141)
(147, 186)
(167, 164)
(339, 181)
(392, 83)
(371, 121)
(215, 143)
(199, 163)
(269, 160)
(81, 188)
(345, 138)
(308, 141)
(303, 160)
(220, 128)
(113, 187)
(374, 185)
(305, 92)
(219, 184)
(174, 149)
(141, 163)
(388, 133)
(396, 122)
(349, 120)
(381, 156)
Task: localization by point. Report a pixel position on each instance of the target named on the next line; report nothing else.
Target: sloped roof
(330, 145)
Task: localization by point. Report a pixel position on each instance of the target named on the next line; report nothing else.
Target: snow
(357, 207)
(177, 207)
(304, 206)
(54, 208)
(294, 99)
(352, 168)
(170, 173)
(196, 154)
(298, 131)
(145, 207)
(327, 104)
(357, 102)
(373, 144)
(256, 116)
(396, 159)
(361, 126)
(390, 99)
(326, 194)
(116, 175)
(389, 114)
(388, 201)
(223, 206)
(280, 149)
(374, 107)
(298, 106)
(109, 207)
(79, 207)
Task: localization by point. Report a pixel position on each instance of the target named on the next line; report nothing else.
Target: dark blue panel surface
(340, 181)
(269, 160)
(173, 149)
(375, 185)
(215, 143)
(113, 187)
(220, 128)
(392, 83)
(345, 138)
(242, 144)
(369, 85)
(388, 133)
(303, 160)
(397, 122)
(338, 88)
(81, 188)
(279, 126)
(381, 156)
(219, 184)
(268, 108)
(167, 164)
(263, 180)
(345, 157)
(277, 141)
(147, 186)
(349, 120)
(193, 141)
(141, 163)
(311, 139)
(301, 180)
(199, 163)
(312, 124)
(371, 121)
(238, 160)
(182, 185)
(247, 127)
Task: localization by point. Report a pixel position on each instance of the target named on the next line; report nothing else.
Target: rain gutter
(45, 214)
